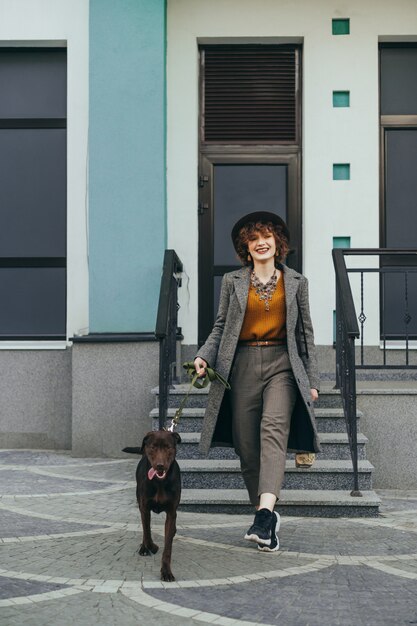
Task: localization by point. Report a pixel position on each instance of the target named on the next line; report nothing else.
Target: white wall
(330, 135)
(63, 23)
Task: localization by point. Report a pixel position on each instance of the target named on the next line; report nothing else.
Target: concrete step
(317, 503)
(197, 398)
(215, 484)
(225, 474)
(329, 420)
(334, 445)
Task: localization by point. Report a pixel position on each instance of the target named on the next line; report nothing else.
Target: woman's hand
(314, 394)
(200, 366)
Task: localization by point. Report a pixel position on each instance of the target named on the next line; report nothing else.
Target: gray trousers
(263, 396)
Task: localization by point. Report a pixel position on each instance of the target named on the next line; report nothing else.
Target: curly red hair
(248, 230)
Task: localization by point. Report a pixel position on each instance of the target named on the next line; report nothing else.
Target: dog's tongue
(151, 473)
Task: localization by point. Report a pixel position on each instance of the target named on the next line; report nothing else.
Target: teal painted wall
(127, 191)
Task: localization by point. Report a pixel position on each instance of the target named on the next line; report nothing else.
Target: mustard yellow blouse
(259, 324)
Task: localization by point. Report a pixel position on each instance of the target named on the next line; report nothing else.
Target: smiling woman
(255, 343)
(262, 239)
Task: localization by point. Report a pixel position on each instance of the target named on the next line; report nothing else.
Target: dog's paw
(148, 550)
(167, 575)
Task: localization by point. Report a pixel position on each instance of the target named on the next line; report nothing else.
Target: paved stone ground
(69, 536)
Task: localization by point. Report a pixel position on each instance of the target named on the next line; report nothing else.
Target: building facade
(140, 98)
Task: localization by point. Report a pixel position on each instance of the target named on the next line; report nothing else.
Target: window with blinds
(249, 94)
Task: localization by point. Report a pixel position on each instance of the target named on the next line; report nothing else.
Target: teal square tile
(341, 242)
(341, 171)
(341, 26)
(341, 99)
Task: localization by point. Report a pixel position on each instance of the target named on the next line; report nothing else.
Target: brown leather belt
(268, 342)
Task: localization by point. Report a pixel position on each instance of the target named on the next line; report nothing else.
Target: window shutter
(250, 94)
(33, 193)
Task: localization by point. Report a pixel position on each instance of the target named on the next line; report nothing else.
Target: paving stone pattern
(89, 609)
(19, 482)
(322, 536)
(69, 535)
(15, 588)
(352, 595)
(17, 525)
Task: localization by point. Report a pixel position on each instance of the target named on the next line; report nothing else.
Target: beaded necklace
(264, 291)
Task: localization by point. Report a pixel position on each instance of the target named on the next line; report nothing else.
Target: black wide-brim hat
(259, 216)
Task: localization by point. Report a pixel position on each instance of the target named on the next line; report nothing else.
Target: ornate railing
(397, 274)
(400, 263)
(167, 330)
(347, 331)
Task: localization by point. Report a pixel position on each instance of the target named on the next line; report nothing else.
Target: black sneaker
(274, 544)
(260, 531)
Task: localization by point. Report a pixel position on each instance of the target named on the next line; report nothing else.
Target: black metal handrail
(167, 330)
(347, 331)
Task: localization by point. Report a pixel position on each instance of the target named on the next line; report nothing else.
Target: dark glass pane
(32, 192)
(401, 188)
(242, 189)
(401, 228)
(399, 81)
(33, 301)
(33, 83)
(395, 309)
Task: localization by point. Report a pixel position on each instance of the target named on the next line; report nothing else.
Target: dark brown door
(232, 187)
(250, 154)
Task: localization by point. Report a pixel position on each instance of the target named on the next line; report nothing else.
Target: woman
(262, 340)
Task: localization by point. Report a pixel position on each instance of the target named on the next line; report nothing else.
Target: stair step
(216, 485)
(317, 503)
(329, 420)
(225, 474)
(329, 397)
(334, 446)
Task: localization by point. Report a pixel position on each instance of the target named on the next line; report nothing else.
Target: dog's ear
(144, 443)
(176, 437)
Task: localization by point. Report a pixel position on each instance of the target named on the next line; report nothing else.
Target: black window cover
(249, 93)
(33, 193)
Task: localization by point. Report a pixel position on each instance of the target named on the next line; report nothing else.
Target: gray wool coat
(219, 352)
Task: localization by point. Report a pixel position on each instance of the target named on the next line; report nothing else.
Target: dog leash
(199, 383)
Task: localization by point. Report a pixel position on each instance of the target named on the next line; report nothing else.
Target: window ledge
(114, 337)
(34, 345)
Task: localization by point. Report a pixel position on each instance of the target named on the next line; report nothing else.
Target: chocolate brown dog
(158, 489)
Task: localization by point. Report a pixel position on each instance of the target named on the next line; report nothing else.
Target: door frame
(249, 152)
(387, 123)
(206, 268)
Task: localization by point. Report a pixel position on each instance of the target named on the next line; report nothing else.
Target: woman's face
(262, 247)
